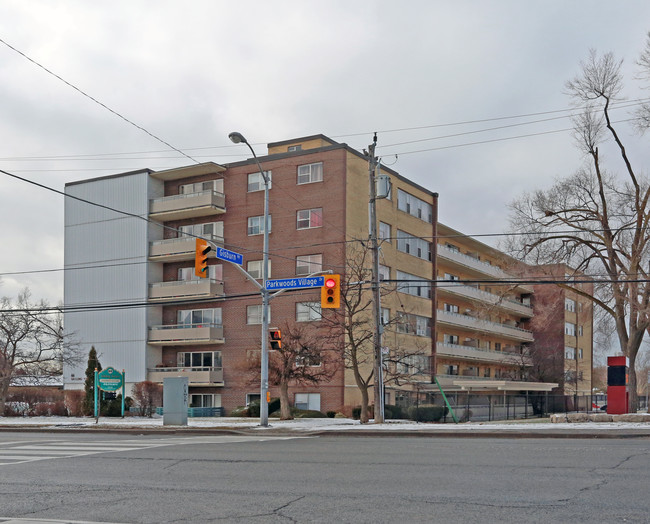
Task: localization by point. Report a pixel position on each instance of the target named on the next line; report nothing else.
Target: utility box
(175, 401)
(618, 394)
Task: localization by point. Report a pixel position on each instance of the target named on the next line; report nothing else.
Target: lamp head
(237, 138)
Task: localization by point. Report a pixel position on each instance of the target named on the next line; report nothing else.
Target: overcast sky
(191, 72)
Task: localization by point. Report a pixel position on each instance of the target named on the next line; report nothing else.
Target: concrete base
(599, 417)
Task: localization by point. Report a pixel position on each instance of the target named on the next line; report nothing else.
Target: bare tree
(596, 221)
(147, 396)
(31, 341)
(307, 357)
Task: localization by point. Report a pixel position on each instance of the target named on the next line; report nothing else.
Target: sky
(432, 78)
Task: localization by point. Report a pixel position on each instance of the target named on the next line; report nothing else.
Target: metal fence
(479, 407)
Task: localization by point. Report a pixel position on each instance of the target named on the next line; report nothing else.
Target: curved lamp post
(238, 138)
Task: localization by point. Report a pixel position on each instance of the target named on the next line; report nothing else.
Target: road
(203, 479)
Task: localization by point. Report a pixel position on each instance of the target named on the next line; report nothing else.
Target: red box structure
(618, 396)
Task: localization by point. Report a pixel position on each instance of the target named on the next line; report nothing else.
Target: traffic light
(276, 338)
(330, 293)
(201, 258)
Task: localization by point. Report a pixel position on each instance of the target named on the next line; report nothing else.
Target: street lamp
(238, 138)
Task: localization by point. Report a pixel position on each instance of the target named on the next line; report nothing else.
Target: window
(199, 317)
(497, 346)
(570, 329)
(580, 354)
(414, 206)
(413, 324)
(256, 225)
(451, 308)
(449, 276)
(450, 339)
(580, 331)
(254, 314)
(308, 218)
(384, 232)
(415, 246)
(308, 264)
(497, 373)
(579, 307)
(209, 230)
(186, 274)
(413, 364)
(384, 272)
(310, 173)
(307, 401)
(452, 247)
(256, 181)
(385, 316)
(308, 311)
(419, 288)
(309, 358)
(252, 397)
(569, 353)
(451, 369)
(205, 400)
(486, 372)
(254, 268)
(293, 149)
(199, 359)
(210, 185)
(569, 305)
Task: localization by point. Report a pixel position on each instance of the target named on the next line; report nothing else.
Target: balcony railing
(207, 287)
(181, 334)
(478, 294)
(197, 375)
(175, 207)
(457, 351)
(477, 324)
(177, 249)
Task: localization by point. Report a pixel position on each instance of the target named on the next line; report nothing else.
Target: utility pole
(374, 246)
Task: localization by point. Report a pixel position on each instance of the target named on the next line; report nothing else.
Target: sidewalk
(531, 428)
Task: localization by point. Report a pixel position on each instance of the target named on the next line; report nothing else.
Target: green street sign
(110, 379)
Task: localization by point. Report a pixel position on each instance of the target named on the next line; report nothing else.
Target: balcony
(204, 288)
(473, 293)
(178, 249)
(484, 326)
(176, 207)
(468, 353)
(474, 264)
(202, 376)
(186, 334)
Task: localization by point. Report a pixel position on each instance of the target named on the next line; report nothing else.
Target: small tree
(88, 405)
(147, 396)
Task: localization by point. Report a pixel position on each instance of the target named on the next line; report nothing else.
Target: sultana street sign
(110, 379)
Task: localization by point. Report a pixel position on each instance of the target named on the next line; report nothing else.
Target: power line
(97, 101)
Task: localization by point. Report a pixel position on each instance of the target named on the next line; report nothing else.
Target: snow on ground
(319, 424)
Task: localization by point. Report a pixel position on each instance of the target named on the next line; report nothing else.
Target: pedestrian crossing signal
(276, 338)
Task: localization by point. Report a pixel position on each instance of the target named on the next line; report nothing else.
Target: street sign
(110, 379)
(295, 283)
(229, 256)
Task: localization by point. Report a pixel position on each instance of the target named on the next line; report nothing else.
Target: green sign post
(110, 380)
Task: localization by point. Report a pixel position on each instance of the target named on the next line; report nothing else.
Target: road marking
(31, 451)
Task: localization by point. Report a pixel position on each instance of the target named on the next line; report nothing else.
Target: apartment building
(130, 290)
(564, 330)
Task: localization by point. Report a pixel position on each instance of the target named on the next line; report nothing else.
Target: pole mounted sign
(294, 283)
(110, 380)
(229, 256)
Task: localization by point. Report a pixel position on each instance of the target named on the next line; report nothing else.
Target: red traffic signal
(201, 258)
(330, 293)
(276, 338)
